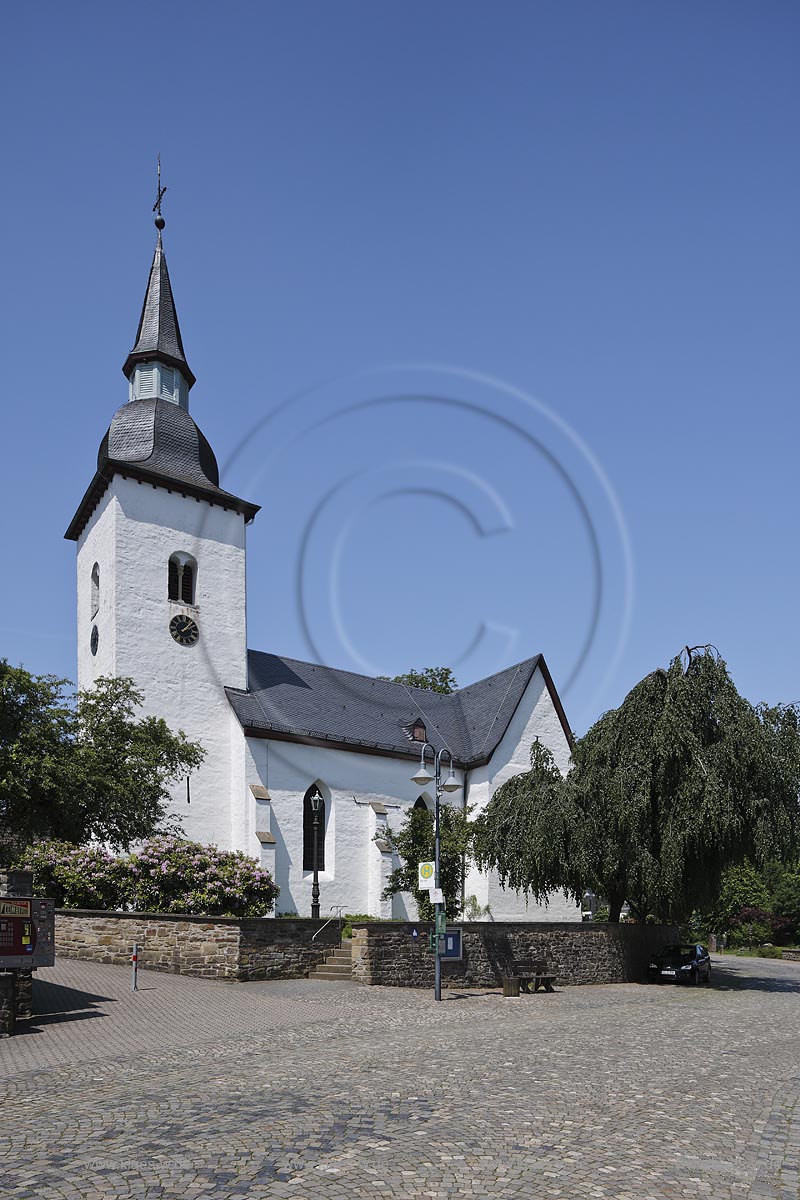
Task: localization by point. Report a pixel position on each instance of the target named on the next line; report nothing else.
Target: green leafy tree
(434, 679)
(684, 779)
(83, 767)
(741, 886)
(525, 833)
(414, 843)
(785, 905)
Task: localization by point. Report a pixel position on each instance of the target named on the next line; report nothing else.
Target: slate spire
(158, 337)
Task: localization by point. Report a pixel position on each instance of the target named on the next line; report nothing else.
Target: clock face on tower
(184, 630)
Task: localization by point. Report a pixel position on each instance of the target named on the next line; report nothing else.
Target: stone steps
(338, 966)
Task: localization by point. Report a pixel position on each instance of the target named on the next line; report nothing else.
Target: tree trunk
(615, 904)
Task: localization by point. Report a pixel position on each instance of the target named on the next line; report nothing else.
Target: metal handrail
(338, 909)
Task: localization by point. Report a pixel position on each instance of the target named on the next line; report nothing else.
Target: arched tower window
(308, 831)
(95, 591)
(182, 578)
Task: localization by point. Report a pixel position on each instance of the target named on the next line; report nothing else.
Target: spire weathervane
(159, 222)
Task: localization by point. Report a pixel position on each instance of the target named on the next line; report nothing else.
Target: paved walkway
(193, 1089)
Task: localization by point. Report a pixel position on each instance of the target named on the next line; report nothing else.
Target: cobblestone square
(189, 1089)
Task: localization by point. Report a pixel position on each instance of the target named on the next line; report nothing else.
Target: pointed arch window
(308, 830)
(421, 803)
(182, 578)
(95, 607)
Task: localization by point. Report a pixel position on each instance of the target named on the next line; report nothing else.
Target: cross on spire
(160, 222)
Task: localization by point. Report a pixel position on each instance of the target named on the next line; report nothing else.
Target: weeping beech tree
(685, 778)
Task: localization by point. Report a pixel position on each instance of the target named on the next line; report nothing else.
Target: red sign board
(17, 935)
(27, 933)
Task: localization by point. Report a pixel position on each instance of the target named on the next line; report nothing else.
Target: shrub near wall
(167, 875)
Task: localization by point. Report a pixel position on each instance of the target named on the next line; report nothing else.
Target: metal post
(134, 967)
(423, 778)
(315, 884)
(437, 986)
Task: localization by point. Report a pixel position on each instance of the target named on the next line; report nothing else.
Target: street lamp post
(423, 777)
(316, 802)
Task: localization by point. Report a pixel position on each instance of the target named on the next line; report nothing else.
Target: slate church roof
(299, 701)
(156, 442)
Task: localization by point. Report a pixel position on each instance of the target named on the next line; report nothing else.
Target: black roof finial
(160, 222)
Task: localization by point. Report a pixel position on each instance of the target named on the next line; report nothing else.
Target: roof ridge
(292, 698)
(355, 674)
(533, 659)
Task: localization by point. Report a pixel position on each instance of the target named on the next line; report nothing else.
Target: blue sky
(586, 213)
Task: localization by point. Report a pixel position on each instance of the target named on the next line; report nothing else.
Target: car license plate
(668, 973)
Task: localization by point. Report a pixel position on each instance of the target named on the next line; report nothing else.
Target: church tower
(161, 561)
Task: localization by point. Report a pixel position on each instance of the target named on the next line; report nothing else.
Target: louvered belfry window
(147, 381)
(187, 584)
(308, 833)
(174, 586)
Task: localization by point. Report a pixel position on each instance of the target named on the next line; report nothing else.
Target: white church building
(162, 599)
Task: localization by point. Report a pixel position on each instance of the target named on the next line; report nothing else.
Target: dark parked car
(684, 963)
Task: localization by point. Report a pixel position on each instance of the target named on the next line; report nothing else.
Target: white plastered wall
(356, 788)
(131, 535)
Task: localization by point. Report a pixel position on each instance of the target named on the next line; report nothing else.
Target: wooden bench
(527, 974)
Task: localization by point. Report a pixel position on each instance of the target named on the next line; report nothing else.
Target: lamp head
(451, 784)
(423, 776)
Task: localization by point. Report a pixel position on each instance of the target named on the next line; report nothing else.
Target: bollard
(134, 966)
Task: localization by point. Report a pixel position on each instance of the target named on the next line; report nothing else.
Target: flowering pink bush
(75, 876)
(170, 874)
(167, 874)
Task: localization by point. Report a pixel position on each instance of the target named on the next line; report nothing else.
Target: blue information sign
(450, 943)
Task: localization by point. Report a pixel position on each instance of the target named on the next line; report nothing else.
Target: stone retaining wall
(209, 947)
(8, 1007)
(15, 883)
(386, 953)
